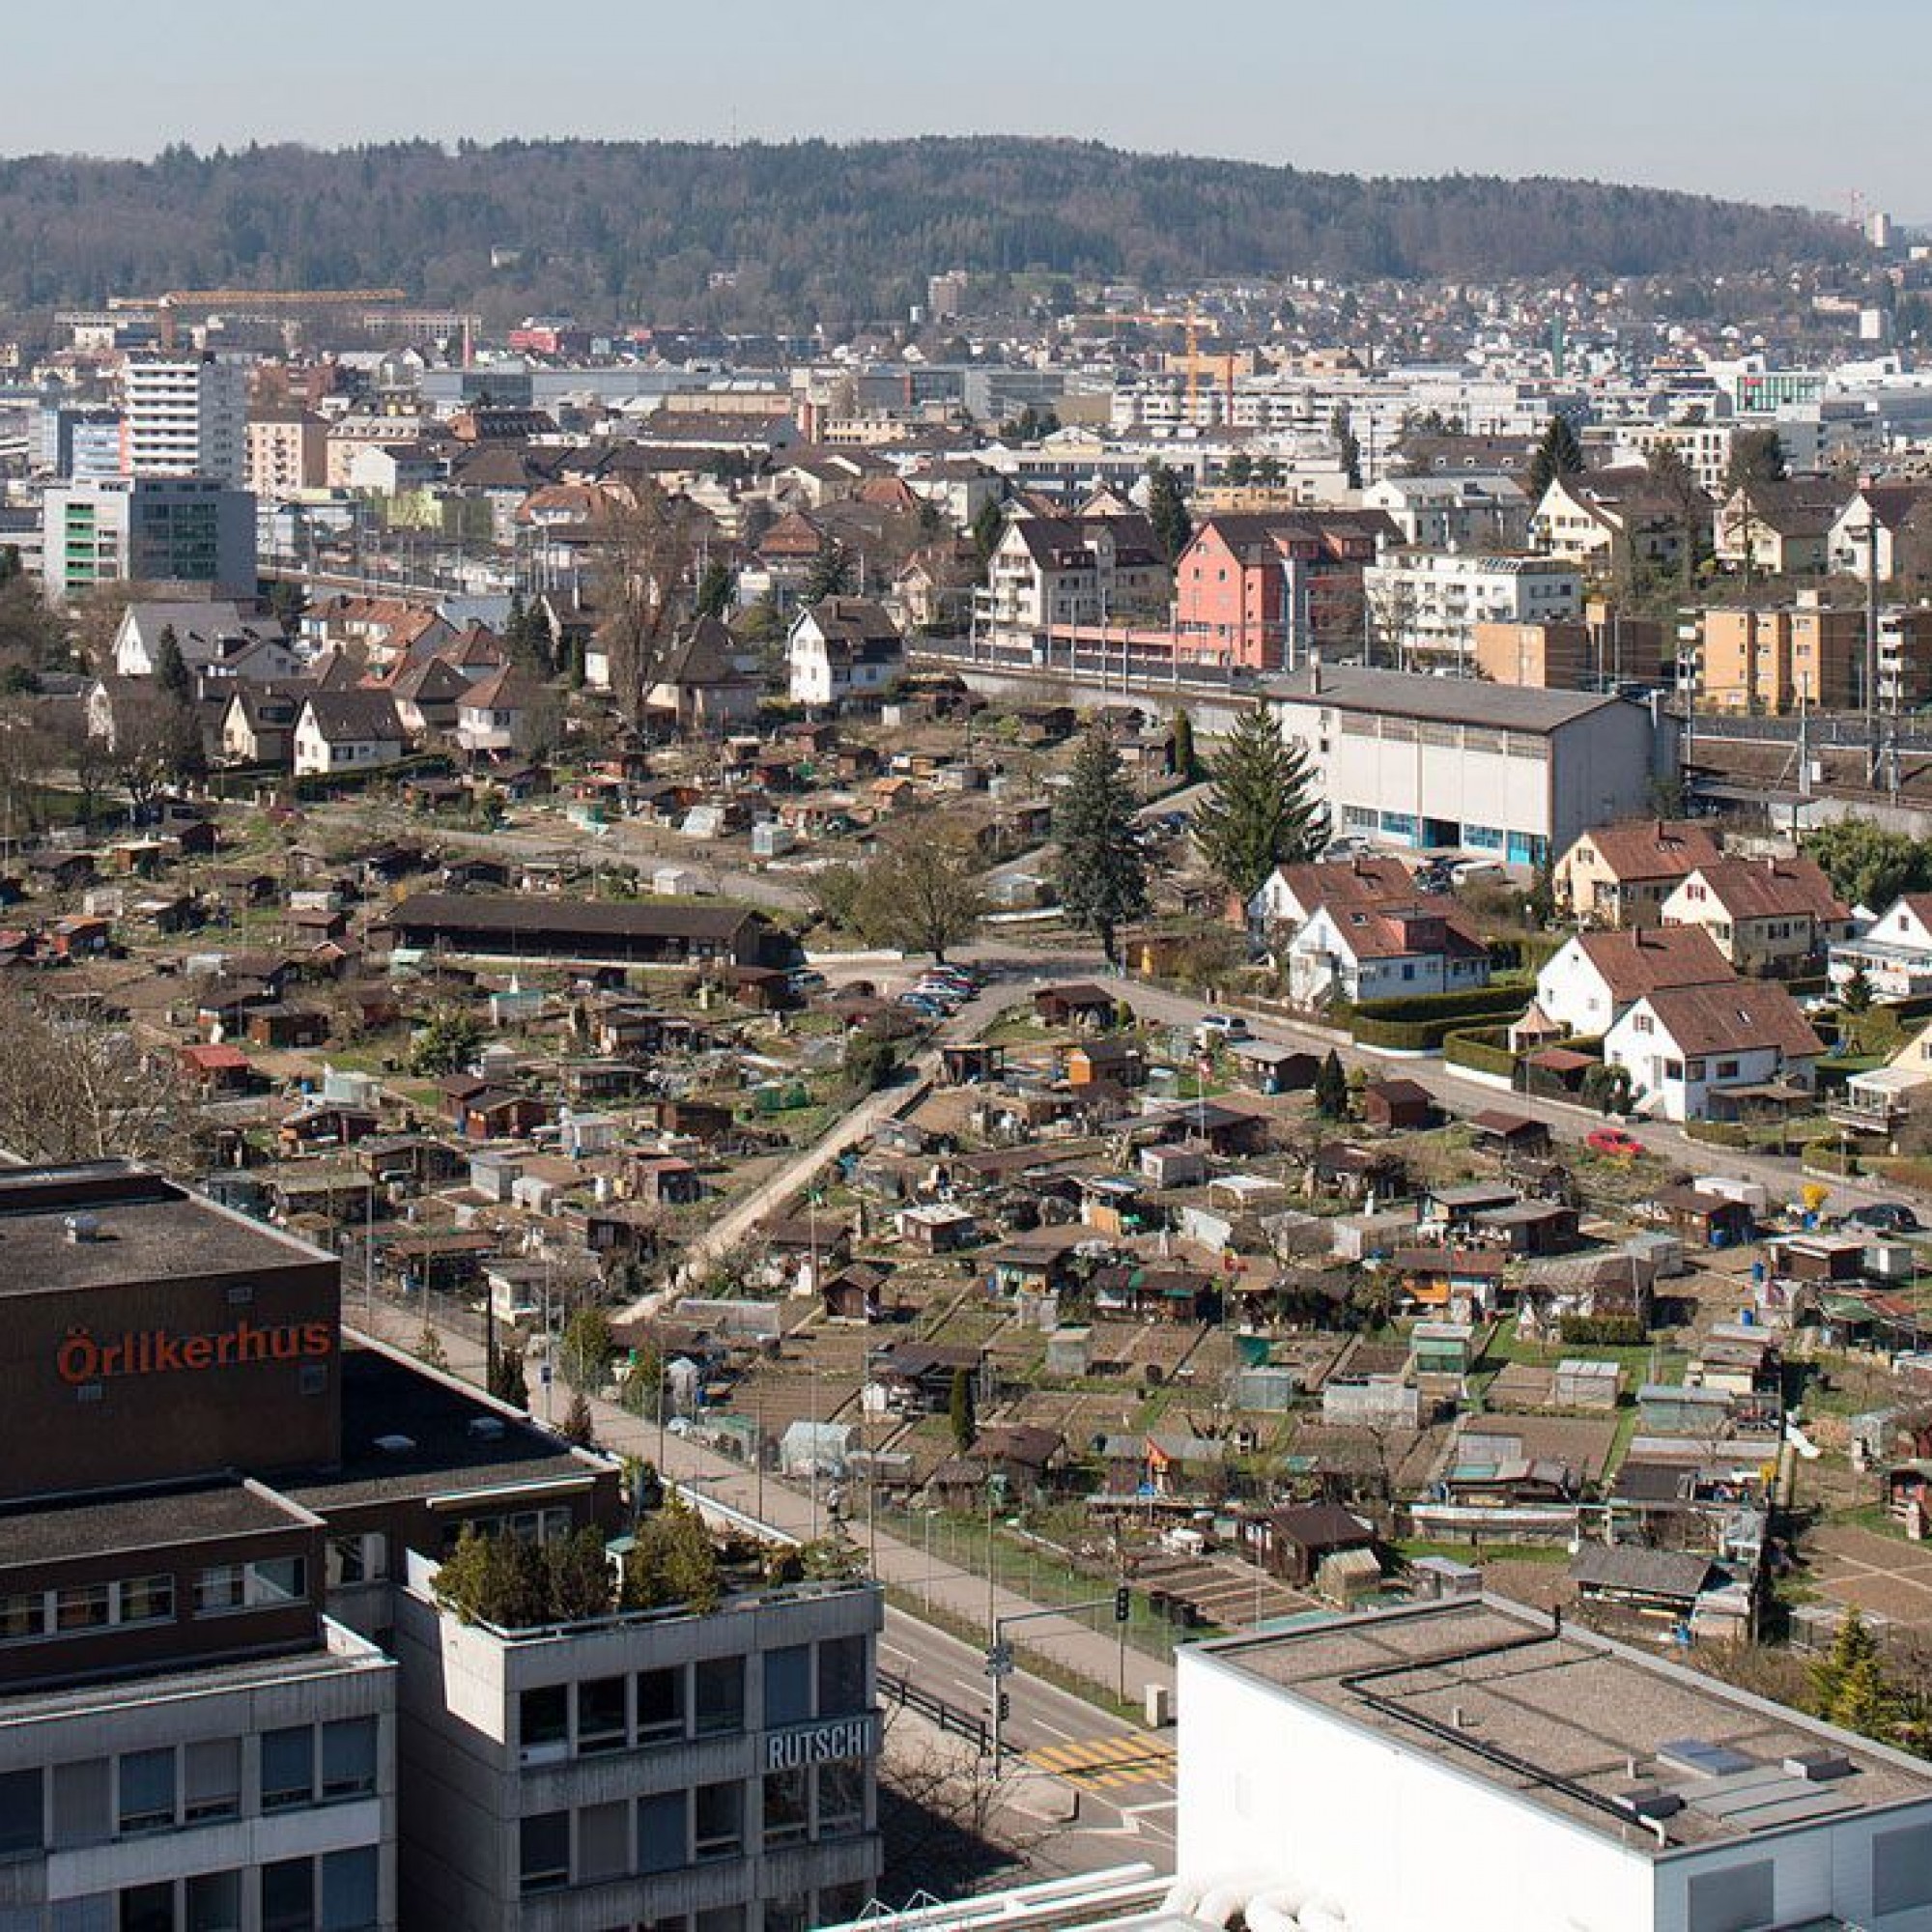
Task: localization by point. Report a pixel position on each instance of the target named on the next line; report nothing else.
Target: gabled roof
(1370, 879)
(510, 688)
(853, 620)
(1631, 964)
(1653, 848)
(1702, 1020)
(358, 715)
(1376, 931)
(1772, 889)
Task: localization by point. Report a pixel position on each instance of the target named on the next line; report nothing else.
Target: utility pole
(1871, 653)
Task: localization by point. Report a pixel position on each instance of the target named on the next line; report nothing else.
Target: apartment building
(1425, 606)
(1806, 655)
(186, 416)
(287, 452)
(1546, 656)
(174, 530)
(1052, 573)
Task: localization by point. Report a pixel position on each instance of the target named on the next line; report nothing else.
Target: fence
(904, 1692)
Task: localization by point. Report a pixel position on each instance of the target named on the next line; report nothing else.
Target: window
(787, 1807)
(281, 1580)
(841, 1798)
(22, 1823)
(720, 1695)
(720, 1822)
(147, 1600)
(661, 1833)
(659, 1705)
(24, 1616)
(218, 1589)
(83, 1810)
(602, 1842)
(545, 1859)
(148, 1907)
(789, 1686)
(288, 1768)
(288, 1895)
(84, 1606)
(212, 1779)
(601, 1720)
(214, 1902)
(349, 1888)
(147, 1791)
(349, 1758)
(543, 1723)
(1901, 1870)
(1738, 1899)
(842, 1676)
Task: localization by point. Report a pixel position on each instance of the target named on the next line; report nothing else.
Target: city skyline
(1646, 96)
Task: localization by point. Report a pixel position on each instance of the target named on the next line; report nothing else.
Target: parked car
(1477, 872)
(806, 980)
(1884, 1217)
(1210, 1027)
(1613, 1141)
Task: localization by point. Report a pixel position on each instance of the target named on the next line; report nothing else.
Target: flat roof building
(1473, 1766)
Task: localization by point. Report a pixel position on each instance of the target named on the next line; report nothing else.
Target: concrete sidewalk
(968, 1601)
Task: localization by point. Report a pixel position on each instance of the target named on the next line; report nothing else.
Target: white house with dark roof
(1894, 952)
(1595, 978)
(1704, 1053)
(841, 648)
(347, 731)
(1355, 952)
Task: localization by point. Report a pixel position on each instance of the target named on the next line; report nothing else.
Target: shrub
(1481, 1049)
(1604, 1331)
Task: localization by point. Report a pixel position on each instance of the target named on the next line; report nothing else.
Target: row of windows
(87, 1607)
(671, 1830)
(706, 1699)
(339, 1892)
(92, 1800)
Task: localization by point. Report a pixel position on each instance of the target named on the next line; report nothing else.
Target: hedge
(1475, 1001)
(1483, 1050)
(1829, 1157)
(1608, 1331)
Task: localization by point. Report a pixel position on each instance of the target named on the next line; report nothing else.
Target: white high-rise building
(186, 416)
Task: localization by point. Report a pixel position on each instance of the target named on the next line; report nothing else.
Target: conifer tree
(1263, 812)
(1101, 872)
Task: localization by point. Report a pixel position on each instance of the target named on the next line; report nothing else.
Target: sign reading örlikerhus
(145, 1340)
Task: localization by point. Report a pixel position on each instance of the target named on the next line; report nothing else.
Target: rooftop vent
(80, 1228)
(396, 1445)
(1698, 1757)
(1649, 1800)
(1818, 1767)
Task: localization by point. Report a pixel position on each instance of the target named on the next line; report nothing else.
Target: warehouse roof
(1449, 700)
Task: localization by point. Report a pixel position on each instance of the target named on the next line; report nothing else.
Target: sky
(1764, 99)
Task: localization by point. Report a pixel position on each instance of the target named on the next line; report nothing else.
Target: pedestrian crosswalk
(1110, 1763)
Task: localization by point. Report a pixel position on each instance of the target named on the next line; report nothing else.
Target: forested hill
(812, 230)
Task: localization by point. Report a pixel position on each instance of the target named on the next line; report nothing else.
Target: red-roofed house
(1771, 916)
(1595, 978)
(1621, 874)
(1358, 953)
(1702, 1053)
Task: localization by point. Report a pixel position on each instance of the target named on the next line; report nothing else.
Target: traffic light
(1006, 1707)
(1122, 1604)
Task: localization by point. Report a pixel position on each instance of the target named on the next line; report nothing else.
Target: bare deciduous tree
(75, 1089)
(645, 551)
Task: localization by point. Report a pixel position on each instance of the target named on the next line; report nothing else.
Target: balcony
(1877, 1102)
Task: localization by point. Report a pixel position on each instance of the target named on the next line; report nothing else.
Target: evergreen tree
(579, 1426)
(715, 589)
(1558, 454)
(1347, 444)
(989, 526)
(508, 1382)
(1167, 511)
(1852, 1647)
(834, 573)
(1856, 995)
(1101, 872)
(962, 1411)
(1866, 1702)
(1263, 812)
(1331, 1089)
(1185, 756)
(579, 1580)
(171, 671)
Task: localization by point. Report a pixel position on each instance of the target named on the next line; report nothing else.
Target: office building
(76, 442)
(1470, 1766)
(186, 416)
(179, 530)
(229, 1697)
(1455, 764)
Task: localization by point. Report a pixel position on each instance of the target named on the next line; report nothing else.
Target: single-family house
(1595, 978)
(354, 730)
(1775, 917)
(1288, 895)
(1621, 874)
(1696, 1053)
(842, 648)
(494, 715)
(1363, 952)
(1894, 952)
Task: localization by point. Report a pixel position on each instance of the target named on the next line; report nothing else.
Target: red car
(1613, 1141)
